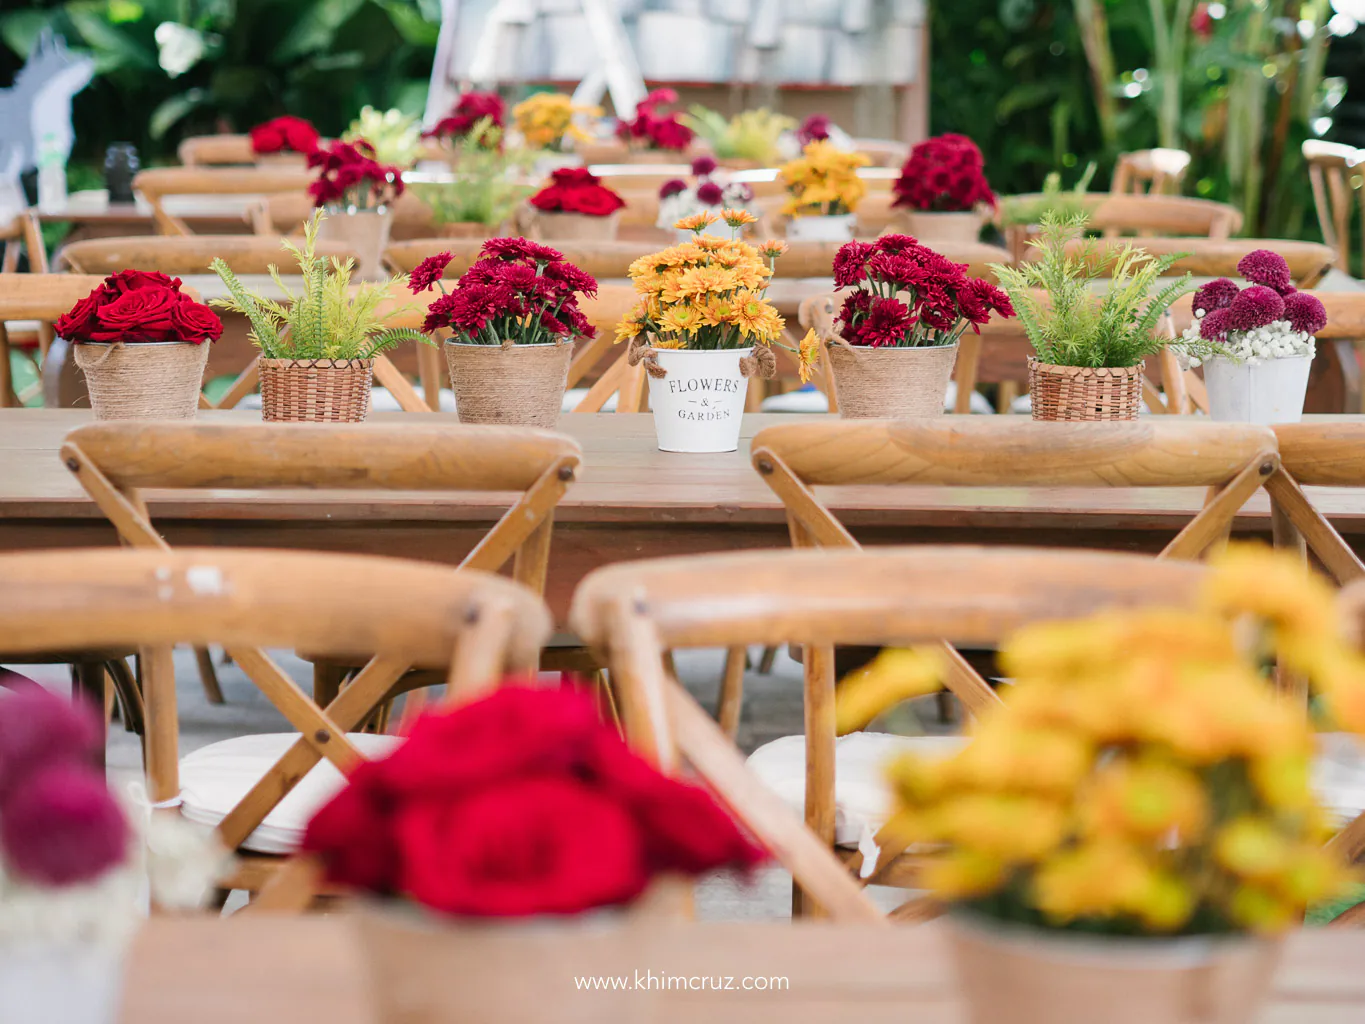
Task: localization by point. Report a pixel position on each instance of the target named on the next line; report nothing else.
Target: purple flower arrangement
(711, 193)
(59, 824)
(1267, 319)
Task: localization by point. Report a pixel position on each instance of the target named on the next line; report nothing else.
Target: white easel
(616, 72)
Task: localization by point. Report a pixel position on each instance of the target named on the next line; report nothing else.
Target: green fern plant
(330, 318)
(1077, 325)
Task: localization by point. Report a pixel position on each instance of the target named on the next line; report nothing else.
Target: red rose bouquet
(518, 804)
(284, 133)
(649, 129)
(943, 174)
(469, 110)
(518, 292)
(577, 190)
(907, 295)
(351, 177)
(139, 306)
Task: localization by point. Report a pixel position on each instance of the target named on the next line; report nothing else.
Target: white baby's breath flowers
(1276, 340)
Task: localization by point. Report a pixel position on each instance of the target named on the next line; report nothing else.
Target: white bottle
(51, 174)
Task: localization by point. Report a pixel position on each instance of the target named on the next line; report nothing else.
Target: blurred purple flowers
(1305, 312)
(1261, 266)
(1255, 307)
(1216, 295)
(59, 824)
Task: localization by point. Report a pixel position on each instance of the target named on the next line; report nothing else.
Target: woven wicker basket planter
(144, 380)
(1084, 393)
(574, 227)
(891, 383)
(316, 390)
(520, 385)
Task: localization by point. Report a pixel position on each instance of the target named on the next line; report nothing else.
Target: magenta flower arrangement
(1267, 319)
(943, 174)
(59, 824)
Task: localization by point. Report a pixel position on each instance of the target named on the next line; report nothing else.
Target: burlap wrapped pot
(366, 232)
(143, 380)
(890, 383)
(511, 384)
(547, 226)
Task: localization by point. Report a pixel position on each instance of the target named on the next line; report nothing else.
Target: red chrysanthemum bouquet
(943, 175)
(520, 804)
(906, 295)
(649, 129)
(350, 178)
(284, 135)
(894, 342)
(512, 315)
(465, 116)
(576, 205)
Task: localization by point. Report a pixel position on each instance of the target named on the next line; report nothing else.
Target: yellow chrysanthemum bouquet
(823, 181)
(546, 120)
(1143, 774)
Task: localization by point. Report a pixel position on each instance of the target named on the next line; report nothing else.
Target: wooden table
(631, 501)
(329, 969)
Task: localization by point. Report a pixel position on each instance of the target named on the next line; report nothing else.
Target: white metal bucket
(699, 403)
(838, 228)
(1271, 391)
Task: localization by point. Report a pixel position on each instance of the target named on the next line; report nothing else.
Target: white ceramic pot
(50, 983)
(1271, 391)
(1034, 976)
(838, 228)
(699, 402)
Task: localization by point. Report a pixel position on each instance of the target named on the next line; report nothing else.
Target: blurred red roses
(522, 803)
(139, 306)
(653, 130)
(469, 110)
(577, 190)
(284, 133)
(943, 174)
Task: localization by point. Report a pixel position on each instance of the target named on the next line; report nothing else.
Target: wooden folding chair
(244, 182)
(471, 626)
(1320, 454)
(23, 232)
(116, 462)
(1155, 214)
(1215, 257)
(1330, 169)
(187, 254)
(40, 297)
(216, 151)
(635, 611)
(1149, 171)
(1231, 460)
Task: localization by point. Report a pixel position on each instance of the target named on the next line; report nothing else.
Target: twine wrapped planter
(1083, 392)
(1032, 976)
(143, 380)
(316, 390)
(891, 383)
(521, 385)
(547, 226)
(927, 226)
(367, 234)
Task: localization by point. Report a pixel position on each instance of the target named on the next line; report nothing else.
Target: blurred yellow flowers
(1141, 771)
(546, 118)
(823, 180)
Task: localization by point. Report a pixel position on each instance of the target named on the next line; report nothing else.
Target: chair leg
(732, 691)
(129, 695)
(765, 663)
(87, 682)
(208, 677)
(327, 678)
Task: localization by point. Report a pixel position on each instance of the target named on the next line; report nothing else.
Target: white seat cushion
(1339, 775)
(214, 779)
(804, 400)
(862, 797)
(573, 396)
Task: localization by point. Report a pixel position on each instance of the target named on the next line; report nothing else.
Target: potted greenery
(485, 191)
(548, 123)
(701, 328)
(898, 329)
(1020, 216)
(284, 143)
(1257, 343)
(511, 322)
(749, 139)
(1089, 348)
(318, 348)
(941, 189)
(575, 206)
(356, 190)
(1127, 836)
(142, 344)
(823, 191)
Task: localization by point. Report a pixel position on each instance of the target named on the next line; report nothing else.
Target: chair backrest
(633, 612)
(284, 213)
(157, 184)
(216, 151)
(1330, 168)
(1216, 257)
(1165, 215)
(475, 625)
(1150, 171)
(187, 254)
(25, 231)
(1318, 454)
